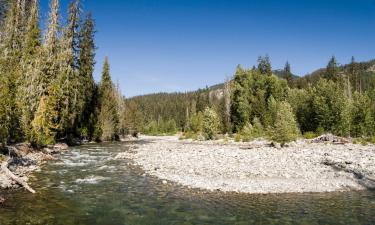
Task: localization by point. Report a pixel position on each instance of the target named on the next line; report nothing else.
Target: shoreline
(22, 160)
(256, 167)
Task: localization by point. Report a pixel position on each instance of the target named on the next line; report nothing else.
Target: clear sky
(179, 45)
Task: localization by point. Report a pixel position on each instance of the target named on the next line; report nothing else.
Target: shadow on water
(87, 186)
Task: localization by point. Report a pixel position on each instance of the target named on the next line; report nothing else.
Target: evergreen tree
(332, 70)
(27, 98)
(68, 76)
(46, 124)
(285, 129)
(264, 65)
(240, 107)
(288, 74)
(211, 123)
(86, 64)
(107, 126)
(10, 70)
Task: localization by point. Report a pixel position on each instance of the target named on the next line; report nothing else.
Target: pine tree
(86, 64)
(288, 74)
(332, 70)
(10, 70)
(264, 65)
(27, 98)
(46, 123)
(107, 126)
(48, 63)
(68, 76)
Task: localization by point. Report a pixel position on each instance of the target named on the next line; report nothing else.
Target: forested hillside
(47, 90)
(258, 101)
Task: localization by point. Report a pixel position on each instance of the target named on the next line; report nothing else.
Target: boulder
(330, 138)
(60, 147)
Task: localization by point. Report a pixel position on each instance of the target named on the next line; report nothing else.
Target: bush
(237, 138)
(310, 135)
(211, 123)
(196, 123)
(285, 129)
(247, 133)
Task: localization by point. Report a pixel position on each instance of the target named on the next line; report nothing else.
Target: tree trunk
(8, 173)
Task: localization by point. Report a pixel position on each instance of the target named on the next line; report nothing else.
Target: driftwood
(8, 173)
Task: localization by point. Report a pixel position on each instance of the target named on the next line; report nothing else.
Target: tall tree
(107, 126)
(86, 64)
(240, 108)
(264, 65)
(68, 76)
(27, 98)
(10, 70)
(288, 74)
(332, 69)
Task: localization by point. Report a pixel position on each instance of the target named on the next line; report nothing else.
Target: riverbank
(21, 160)
(257, 167)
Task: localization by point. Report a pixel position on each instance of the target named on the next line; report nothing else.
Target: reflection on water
(87, 186)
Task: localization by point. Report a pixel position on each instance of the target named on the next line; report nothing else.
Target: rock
(330, 138)
(60, 147)
(2, 200)
(165, 182)
(276, 145)
(201, 137)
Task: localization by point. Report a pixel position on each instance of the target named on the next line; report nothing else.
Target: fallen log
(8, 173)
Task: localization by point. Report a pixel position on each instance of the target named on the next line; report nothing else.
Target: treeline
(256, 103)
(47, 90)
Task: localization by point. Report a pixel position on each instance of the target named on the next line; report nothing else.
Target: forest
(48, 93)
(47, 90)
(261, 102)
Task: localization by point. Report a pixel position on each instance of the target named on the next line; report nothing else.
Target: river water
(88, 186)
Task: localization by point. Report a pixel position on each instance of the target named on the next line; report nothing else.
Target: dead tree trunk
(8, 173)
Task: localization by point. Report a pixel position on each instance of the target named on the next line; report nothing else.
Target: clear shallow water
(87, 186)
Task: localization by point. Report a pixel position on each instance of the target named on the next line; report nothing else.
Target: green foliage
(285, 129)
(108, 120)
(247, 133)
(196, 123)
(160, 127)
(310, 135)
(211, 123)
(46, 124)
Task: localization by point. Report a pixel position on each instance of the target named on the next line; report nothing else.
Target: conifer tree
(27, 98)
(10, 70)
(240, 107)
(264, 65)
(48, 63)
(285, 129)
(288, 74)
(332, 70)
(107, 125)
(211, 123)
(68, 76)
(86, 64)
(46, 123)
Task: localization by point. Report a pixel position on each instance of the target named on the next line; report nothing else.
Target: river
(88, 186)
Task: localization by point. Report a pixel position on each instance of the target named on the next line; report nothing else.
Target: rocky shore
(21, 160)
(257, 167)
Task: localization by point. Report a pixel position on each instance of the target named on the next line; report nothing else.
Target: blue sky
(179, 45)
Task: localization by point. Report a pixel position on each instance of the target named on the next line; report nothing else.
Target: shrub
(247, 133)
(285, 129)
(211, 123)
(309, 135)
(237, 138)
